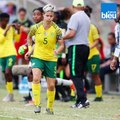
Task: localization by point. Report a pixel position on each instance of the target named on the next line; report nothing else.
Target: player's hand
(16, 26)
(27, 55)
(55, 52)
(22, 49)
(113, 64)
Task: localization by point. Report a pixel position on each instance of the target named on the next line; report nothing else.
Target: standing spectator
(78, 50)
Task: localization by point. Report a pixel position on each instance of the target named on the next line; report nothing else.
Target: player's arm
(60, 41)
(25, 29)
(94, 44)
(61, 47)
(95, 36)
(16, 29)
(30, 35)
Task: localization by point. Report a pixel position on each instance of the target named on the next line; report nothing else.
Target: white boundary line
(4, 116)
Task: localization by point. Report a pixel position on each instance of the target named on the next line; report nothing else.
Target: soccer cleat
(37, 109)
(50, 112)
(98, 99)
(79, 105)
(85, 105)
(9, 98)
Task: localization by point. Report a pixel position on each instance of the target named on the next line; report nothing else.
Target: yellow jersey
(45, 41)
(7, 47)
(93, 35)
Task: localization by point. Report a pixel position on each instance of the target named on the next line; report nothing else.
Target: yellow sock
(98, 90)
(51, 99)
(72, 92)
(36, 89)
(9, 87)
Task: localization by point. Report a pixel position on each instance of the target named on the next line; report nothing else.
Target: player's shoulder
(93, 27)
(55, 26)
(36, 26)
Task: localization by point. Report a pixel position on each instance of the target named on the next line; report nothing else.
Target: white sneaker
(9, 98)
(85, 105)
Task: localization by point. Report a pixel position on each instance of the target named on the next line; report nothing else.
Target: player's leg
(94, 64)
(10, 61)
(50, 94)
(36, 89)
(37, 68)
(50, 73)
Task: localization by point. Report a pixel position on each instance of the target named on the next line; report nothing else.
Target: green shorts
(7, 62)
(48, 67)
(93, 64)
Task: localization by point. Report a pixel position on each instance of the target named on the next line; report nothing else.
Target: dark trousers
(77, 58)
(106, 70)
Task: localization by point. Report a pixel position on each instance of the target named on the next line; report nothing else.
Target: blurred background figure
(105, 66)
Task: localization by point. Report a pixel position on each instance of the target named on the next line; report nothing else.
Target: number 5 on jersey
(45, 41)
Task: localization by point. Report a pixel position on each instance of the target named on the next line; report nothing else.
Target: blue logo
(108, 11)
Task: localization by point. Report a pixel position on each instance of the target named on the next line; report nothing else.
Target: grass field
(17, 110)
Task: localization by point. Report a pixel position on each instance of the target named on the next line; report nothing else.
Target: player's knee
(36, 80)
(8, 75)
(51, 86)
(8, 72)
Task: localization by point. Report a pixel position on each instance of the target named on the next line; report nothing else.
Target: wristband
(63, 55)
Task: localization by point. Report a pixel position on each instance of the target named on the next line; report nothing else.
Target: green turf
(17, 110)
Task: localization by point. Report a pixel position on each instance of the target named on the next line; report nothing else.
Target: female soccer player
(8, 52)
(44, 57)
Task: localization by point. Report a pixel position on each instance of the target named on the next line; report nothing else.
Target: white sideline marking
(21, 109)
(4, 116)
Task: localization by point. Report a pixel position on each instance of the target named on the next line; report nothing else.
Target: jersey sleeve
(95, 33)
(16, 36)
(33, 30)
(59, 33)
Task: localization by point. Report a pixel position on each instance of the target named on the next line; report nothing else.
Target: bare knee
(51, 86)
(96, 79)
(36, 80)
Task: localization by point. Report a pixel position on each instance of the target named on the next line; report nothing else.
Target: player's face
(37, 16)
(111, 40)
(22, 15)
(48, 16)
(5, 22)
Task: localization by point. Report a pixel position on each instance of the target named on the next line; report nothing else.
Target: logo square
(108, 11)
